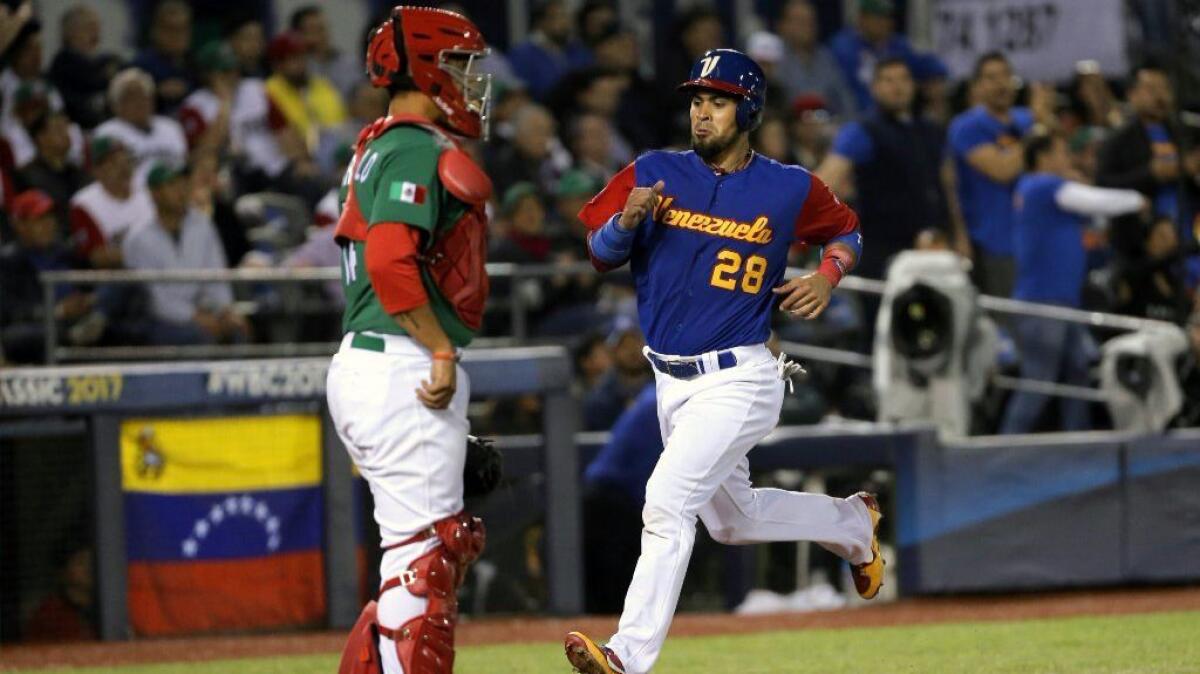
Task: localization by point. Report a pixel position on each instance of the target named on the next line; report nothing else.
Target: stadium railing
(995, 305)
(518, 318)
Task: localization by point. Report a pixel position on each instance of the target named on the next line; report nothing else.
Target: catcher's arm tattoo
(422, 325)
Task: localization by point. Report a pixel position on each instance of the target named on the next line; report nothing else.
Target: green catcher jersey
(395, 178)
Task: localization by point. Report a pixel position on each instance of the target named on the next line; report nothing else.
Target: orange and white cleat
(588, 657)
(868, 578)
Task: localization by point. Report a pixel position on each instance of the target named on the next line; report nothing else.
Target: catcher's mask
(437, 52)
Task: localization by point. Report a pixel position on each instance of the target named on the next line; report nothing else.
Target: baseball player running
(413, 237)
(707, 234)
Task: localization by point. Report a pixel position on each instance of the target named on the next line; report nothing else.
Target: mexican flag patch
(406, 192)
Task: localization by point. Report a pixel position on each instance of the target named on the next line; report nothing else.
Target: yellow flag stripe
(196, 456)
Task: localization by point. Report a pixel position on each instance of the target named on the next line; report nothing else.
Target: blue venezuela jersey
(706, 259)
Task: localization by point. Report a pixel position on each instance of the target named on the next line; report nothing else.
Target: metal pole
(517, 306)
(518, 21)
(1094, 318)
(48, 317)
(862, 360)
(564, 542)
(825, 354)
(1050, 388)
(341, 569)
(917, 462)
(111, 564)
(738, 573)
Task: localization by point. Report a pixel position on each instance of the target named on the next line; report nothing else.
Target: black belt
(686, 369)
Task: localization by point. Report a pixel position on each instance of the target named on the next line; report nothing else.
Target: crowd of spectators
(155, 163)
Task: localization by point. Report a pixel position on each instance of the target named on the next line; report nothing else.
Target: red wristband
(445, 355)
(831, 269)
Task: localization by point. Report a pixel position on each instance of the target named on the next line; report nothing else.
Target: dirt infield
(490, 631)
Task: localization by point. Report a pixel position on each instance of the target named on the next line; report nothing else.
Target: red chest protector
(454, 255)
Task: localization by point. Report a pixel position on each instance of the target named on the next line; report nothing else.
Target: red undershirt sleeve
(391, 262)
(604, 205)
(609, 200)
(824, 220)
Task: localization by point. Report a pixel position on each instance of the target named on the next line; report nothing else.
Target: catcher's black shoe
(868, 578)
(589, 658)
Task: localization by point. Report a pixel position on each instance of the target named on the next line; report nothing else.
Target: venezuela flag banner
(223, 523)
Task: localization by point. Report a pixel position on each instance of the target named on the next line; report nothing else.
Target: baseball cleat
(589, 658)
(868, 578)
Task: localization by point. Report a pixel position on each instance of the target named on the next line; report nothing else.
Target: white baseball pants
(411, 456)
(709, 423)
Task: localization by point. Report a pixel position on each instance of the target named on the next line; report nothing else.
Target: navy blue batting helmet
(729, 71)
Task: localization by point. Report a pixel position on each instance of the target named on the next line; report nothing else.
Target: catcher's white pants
(411, 456)
(709, 423)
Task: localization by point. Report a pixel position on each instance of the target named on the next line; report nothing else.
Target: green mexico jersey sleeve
(395, 181)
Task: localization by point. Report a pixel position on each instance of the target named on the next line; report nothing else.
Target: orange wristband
(444, 355)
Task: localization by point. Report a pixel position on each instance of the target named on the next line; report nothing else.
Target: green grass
(1162, 642)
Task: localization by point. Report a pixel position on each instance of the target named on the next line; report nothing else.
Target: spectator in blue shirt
(614, 492)
(986, 145)
(1051, 267)
(543, 59)
(890, 162)
(857, 48)
(807, 67)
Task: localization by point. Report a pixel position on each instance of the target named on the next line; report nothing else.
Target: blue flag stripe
(230, 525)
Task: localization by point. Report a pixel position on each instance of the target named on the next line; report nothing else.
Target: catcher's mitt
(484, 467)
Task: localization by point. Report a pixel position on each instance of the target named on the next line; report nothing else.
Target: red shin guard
(361, 655)
(425, 643)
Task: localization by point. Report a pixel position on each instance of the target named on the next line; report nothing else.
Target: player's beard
(711, 147)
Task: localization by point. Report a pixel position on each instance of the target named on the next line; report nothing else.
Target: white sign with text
(1043, 38)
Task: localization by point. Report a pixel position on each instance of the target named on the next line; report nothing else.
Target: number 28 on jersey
(732, 272)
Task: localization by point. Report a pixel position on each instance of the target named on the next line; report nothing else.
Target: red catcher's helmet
(434, 50)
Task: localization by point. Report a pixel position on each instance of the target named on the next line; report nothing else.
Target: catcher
(413, 237)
